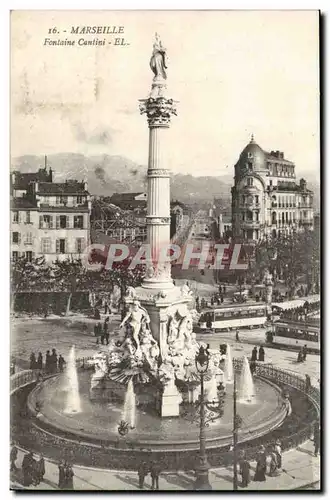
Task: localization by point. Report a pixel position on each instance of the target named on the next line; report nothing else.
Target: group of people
(270, 457)
(101, 332)
(53, 363)
(302, 354)
(154, 469)
(33, 470)
(65, 475)
(258, 357)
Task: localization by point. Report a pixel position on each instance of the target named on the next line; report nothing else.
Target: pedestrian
(273, 466)
(47, 362)
(97, 332)
(300, 356)
(155, 472)
(260, 474)
(304, 352)
(33, 361)
(41, 468)
(97, 314)
(142, 473)
(53, 361)
(106, 330)
(61, 363)
(61, 474)
(261, 354)
(316, 439)
(27, 468)
(221, 298)
(278, 451)
(308, 384)
(254, 354)
(237, 335)
(13, 458)
(39, 361)
(244, 468)
(68, 477)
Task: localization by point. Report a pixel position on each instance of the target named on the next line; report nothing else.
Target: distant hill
(116, 174)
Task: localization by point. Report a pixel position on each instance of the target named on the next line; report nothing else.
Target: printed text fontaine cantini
(87, 30)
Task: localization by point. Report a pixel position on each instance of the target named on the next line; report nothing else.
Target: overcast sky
(234, 73)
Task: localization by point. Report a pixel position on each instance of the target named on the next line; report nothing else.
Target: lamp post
(235, 435)
(215, 411)
(202, 471)
(237, 422)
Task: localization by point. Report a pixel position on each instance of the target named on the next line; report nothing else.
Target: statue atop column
(158, 63)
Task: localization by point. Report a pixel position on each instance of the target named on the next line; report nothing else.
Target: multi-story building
(47, 218)
(180, 216)
(266, 199)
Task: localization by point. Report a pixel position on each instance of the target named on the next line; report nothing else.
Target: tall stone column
(158, 110)
(164, 302)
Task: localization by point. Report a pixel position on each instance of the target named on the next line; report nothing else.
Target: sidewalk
(301, 467)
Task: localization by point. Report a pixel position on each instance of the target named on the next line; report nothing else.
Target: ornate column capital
(158, 110)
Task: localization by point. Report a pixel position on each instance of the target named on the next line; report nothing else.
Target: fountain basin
(98, 420)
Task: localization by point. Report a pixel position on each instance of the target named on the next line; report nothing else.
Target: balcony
(250, 224)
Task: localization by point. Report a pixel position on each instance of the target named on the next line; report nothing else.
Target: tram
(246, 315)
(297, 334)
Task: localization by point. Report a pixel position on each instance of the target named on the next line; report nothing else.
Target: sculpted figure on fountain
(135, 317)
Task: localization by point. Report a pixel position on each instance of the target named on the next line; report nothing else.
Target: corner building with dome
(266, 198)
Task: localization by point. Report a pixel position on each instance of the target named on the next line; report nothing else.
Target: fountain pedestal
(170, 401)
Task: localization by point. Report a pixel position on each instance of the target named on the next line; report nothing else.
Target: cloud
(99, 135)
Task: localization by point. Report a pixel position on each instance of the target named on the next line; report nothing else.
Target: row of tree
(289, 258)
(70, 276)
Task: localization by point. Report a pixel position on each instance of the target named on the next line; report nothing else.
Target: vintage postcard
(165, 250)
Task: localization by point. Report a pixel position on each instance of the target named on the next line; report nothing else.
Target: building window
(63, 224)
(61, 246)
(250, 181)
(79, 200)
(45, 245)
(243, 199)
(250, 166)
(249, 215)
(286, 217)
(28, 239)
(78, 221)
(274, 218)
(28, 256)
(305, 214)
(270, 182)
(257, 216)
(46, 200)
(257, 199)
(15, 256)
(16, 237)
(15, 217)
(79, 245)
(283, 217)
(46, 221)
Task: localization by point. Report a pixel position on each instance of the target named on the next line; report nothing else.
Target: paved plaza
(300, 466)
(31, 334)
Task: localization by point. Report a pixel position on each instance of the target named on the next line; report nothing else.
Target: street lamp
(216, 410)
(202, 471)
